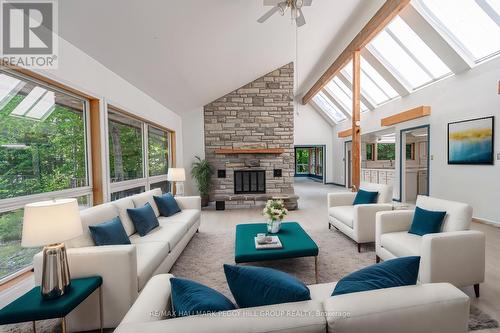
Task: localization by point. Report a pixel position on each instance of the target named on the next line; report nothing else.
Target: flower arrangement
(275, 211)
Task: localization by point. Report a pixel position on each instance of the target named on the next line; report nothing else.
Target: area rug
(204, 256)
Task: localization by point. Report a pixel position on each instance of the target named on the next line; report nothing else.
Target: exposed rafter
(377, 23)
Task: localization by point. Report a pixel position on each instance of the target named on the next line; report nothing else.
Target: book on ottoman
(275, 243)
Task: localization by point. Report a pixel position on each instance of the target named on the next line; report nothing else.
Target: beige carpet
(204, 256)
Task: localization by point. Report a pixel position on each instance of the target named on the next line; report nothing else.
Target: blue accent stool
(259, 286)
(167, 205)
(109, 233)
(191, 298)
(31, 306)
(426, 222)
(391, 273)
(365, 197)
(144, 219)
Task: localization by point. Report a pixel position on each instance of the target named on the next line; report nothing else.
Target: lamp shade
(176, 175)
(51, 222)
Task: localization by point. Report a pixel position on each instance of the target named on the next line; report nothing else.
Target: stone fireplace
(249, 141)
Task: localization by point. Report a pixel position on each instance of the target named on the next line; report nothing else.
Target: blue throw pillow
(391, 273)
(109, 233)
(144, 219)
(365, 197)
(167, 205)
(258, 286)
(426, 222)
(192, 298)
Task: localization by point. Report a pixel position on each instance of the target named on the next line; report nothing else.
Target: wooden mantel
(227, 151)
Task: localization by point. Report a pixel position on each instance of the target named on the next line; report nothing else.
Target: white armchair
(455, 255)
(358, 222)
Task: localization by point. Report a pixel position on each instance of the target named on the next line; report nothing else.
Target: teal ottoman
(296, 243)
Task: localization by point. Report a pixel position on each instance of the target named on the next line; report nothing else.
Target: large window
(373, 85)
(473, 25)
(407, 56)
(43, 154)
(386, 151)
(328, 107)
(139, 155)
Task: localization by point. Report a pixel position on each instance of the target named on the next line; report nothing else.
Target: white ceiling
(187, 53)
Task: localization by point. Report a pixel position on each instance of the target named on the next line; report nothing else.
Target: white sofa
(358, 222)
(125, 269)
(430, 308)
(455, 255)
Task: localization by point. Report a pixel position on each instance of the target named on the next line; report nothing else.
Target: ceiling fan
(282, 6)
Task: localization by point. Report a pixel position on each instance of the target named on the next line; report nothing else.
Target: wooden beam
(415, 113)
(345, 133)
(356, 117)
(96, 144)
(377, 23)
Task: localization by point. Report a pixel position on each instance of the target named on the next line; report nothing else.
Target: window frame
(146, 181)
(12, 204)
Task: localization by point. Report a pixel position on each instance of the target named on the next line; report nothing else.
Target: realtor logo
(28, 33)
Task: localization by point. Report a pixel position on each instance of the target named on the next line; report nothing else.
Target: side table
(32, 307)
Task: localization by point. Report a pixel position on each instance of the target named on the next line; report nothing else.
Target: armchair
(358, 222)
(455, 255)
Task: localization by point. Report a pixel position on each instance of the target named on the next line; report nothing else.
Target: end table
(32, 307)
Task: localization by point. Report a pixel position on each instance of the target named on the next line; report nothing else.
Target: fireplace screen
(249, 181)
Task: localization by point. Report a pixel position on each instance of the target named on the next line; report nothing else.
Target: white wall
(471, 94)
(194, 145)
(312, 129)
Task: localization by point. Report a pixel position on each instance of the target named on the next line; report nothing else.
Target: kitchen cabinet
(378, 176)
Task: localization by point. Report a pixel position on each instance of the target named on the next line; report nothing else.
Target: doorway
(348, 163)
(414, 166)
(310, 162)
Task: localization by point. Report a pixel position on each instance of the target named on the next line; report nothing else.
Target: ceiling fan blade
(307, 2)
(300, 20)
(271, 2)
(268, 14)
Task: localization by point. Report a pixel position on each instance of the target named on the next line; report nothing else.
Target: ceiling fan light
(299, 3)
(282, 8)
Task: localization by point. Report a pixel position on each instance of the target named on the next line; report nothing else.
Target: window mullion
(340, 106)
(145, 149)
(485, 6)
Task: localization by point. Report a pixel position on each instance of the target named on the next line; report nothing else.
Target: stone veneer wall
(257, 115)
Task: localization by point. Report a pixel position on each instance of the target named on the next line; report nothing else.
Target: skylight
(343, 94)
(473, 25)
(407, 56)
(328, 107)
(373, 85)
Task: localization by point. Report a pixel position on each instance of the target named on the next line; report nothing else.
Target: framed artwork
(471, 141)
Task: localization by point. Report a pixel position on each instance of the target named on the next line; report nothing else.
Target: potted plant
(275, 211)
(202, 172)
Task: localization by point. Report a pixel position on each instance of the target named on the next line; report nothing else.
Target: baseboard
(487, 222)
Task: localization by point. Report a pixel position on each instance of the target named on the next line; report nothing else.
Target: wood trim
(139, 118)
(228, 151)
(44, 79)
(18, 279)
(415, 113)
(96, 153)
(356, 117)
(345, 133)
(173, 150)
(499, 87)
(377, 23)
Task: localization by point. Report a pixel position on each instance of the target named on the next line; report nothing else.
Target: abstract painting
(471, 141)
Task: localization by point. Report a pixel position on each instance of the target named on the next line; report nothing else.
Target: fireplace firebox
(249, 181)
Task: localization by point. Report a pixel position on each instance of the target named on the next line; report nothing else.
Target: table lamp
(177, 176)
(49, 224)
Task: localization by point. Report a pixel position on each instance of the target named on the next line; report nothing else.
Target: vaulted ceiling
(187, 53)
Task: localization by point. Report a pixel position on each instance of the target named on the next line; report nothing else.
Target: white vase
(273, 227)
